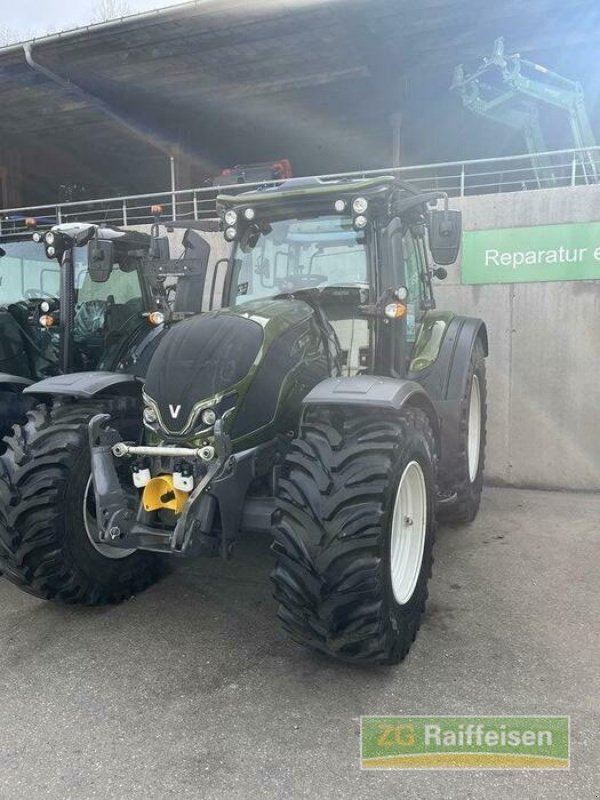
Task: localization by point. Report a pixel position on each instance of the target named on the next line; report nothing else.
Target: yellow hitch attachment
(160, 493)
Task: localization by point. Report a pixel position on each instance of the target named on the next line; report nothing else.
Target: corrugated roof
(221, 76)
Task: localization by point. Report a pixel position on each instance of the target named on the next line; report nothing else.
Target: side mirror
(159, 248)
(100, 260)
(197, 248)
(159, 245)
(445, 232)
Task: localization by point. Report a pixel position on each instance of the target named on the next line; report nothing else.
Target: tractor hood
(207, 362)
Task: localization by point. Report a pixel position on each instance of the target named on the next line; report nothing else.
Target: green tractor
(62, 311)
(76, 301)
(327, 403)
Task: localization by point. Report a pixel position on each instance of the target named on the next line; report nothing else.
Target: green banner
(538, 253)
(465, 742)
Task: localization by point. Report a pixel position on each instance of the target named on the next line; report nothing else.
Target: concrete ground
(190, 690)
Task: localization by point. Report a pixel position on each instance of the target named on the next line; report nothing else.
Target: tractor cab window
(413, 269)
(106, 312)
(26, 278)
(26, 275)
(300, 253)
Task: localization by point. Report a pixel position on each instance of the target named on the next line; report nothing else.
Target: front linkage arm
(223, 485)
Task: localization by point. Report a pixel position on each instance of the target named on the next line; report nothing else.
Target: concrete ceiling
(230, 82)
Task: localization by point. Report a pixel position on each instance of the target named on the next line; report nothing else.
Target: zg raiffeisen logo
(465, 742)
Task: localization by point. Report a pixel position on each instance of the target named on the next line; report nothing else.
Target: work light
(149, 415)
(208, 417)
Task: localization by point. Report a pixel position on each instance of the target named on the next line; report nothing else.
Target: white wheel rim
(89, 521)
(409, 529)
(474, 432)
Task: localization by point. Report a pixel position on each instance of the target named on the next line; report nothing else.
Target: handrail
(568, 167)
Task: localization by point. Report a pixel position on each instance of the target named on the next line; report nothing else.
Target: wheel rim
(474, 433)
(89, 521)
(409, 529)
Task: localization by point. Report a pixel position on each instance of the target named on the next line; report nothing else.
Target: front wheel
(354, 531)
(47, 511)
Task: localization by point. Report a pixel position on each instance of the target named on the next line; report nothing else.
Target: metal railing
(558, 168)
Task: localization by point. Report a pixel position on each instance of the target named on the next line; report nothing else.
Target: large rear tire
(46, 510)
(467, 468)
(354, 530)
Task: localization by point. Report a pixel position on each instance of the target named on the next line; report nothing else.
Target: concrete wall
(544, 363)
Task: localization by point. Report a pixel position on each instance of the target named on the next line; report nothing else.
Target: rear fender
(372, 392)
(85, 385)
(445, 382)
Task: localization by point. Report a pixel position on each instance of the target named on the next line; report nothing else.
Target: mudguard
(86, 384)
(369, 391)
(445, 379)
(13, 382)
(445, 383)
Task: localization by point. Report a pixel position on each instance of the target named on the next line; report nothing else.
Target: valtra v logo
(174, 410)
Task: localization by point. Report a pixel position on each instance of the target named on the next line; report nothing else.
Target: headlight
(395, 310)
(50, 238)
(249, 214)
(50, 252)
(230, 234)
(37, 237)
(208, 417)
(360, 222)
(155, 318)
(230, 217)
(360, 205)
(340, 206)
(150, 415)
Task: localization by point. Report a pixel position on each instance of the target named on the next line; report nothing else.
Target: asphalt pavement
(191, 691)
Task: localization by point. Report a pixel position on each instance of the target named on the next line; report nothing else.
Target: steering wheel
(89, 319)
(36, 294)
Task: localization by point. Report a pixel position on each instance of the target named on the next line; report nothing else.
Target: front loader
(327, 403)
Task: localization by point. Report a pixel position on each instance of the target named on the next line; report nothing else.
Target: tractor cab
(361, 250)
(80, 298)
(110, 286)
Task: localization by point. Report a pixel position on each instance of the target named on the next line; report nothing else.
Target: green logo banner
(465, 742)
(538, 253)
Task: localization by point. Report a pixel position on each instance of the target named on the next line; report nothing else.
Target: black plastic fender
(445, 382)
(86, 384)
(13, 383)
(373, 392)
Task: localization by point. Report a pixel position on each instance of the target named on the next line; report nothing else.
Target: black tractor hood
(209, 355)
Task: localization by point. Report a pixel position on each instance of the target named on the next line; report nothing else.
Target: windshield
(299, 253)
(26, 273)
